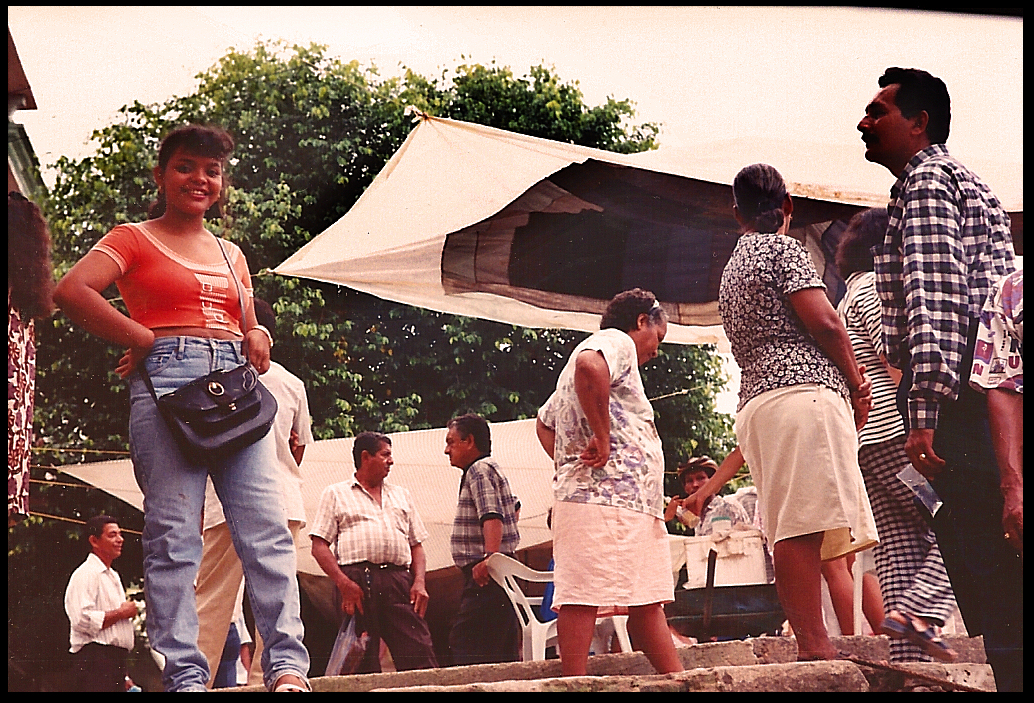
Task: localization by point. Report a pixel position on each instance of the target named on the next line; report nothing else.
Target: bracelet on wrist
(263, 330)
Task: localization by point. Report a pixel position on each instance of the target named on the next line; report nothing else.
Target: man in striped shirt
(947, 241)
(367, 537)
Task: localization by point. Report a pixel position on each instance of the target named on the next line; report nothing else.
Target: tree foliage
(312, 132)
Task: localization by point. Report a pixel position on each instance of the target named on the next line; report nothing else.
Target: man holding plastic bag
(367, 537)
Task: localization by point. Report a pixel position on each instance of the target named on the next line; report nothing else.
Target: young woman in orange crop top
(184, 322)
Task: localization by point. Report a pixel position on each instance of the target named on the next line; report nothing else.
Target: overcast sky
(704, 73)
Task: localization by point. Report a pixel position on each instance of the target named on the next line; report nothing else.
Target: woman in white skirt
(610, 545)
(802, 398)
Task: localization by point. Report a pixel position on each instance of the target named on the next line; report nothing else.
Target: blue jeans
(174, 491)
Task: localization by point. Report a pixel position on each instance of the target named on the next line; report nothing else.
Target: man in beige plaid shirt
(367, 537)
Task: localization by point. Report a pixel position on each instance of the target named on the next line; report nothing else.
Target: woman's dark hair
(758, 192)
(209, 141)
(864, 231)
(369, 442)
(476, 426)
(30, 274)
(624, 309)
(919, 91)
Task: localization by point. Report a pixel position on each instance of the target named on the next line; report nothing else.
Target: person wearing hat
(692, 476)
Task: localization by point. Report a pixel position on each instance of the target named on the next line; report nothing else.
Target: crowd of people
(919, 369)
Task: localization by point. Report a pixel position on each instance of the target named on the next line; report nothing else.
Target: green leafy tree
(312, 133)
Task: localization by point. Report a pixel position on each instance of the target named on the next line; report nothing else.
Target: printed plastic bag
(349, 648)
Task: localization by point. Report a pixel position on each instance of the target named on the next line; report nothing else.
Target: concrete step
(826, 676)
(761, 664)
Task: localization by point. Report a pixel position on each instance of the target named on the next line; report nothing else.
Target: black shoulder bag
(219, 414)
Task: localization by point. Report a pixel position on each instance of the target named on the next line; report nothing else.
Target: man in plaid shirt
(485, 630)
(947, 241)
(368, 538)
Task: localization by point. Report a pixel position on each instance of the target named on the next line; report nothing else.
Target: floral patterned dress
(607, 557)
(21, 381)
(633, 477)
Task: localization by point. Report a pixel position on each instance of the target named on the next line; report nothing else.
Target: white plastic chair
(537, 634)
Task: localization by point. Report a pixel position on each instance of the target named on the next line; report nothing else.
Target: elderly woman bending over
(609, 541)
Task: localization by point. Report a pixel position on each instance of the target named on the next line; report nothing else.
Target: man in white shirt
(100, 615)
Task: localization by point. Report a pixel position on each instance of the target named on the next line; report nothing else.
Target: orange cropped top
(163, 289)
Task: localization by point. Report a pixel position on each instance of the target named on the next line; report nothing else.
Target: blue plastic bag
(349, 648)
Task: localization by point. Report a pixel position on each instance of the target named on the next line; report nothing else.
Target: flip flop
(926, 638)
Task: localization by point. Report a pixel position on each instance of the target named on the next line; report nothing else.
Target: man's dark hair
(95, 526)
(471, 424)
(265, 316)
(864, 231)
(370, 442)
(624, 309)
(920, 91)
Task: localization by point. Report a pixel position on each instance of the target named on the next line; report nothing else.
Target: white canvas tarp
(478, 221)
(420, 465)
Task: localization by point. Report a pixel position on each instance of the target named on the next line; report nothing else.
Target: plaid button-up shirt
(948, 240)
(358, 529)
(484, 495)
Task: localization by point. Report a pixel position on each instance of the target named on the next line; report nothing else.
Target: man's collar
(483, 456)
(357, 482)
(99, 562)
(853, 277)
(922, 155)
(463, 471)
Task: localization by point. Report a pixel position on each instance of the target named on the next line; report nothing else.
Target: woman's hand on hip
(598, 451)
(133, 356)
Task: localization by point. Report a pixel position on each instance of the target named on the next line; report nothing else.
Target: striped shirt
(860, 310)
(93, 590)
(484, 495)
(947, 241)
(358, 529)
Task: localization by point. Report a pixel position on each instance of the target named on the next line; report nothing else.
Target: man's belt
(370, 566)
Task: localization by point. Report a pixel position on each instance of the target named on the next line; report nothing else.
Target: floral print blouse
(21, 381)
(633, 476)
(769, 341)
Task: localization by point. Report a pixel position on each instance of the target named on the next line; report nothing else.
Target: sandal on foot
(925, 638)
(288, 687)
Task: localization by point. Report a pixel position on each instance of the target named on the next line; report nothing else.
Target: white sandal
(288, 687)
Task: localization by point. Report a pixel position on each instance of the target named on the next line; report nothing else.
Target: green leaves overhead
(312, 132)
